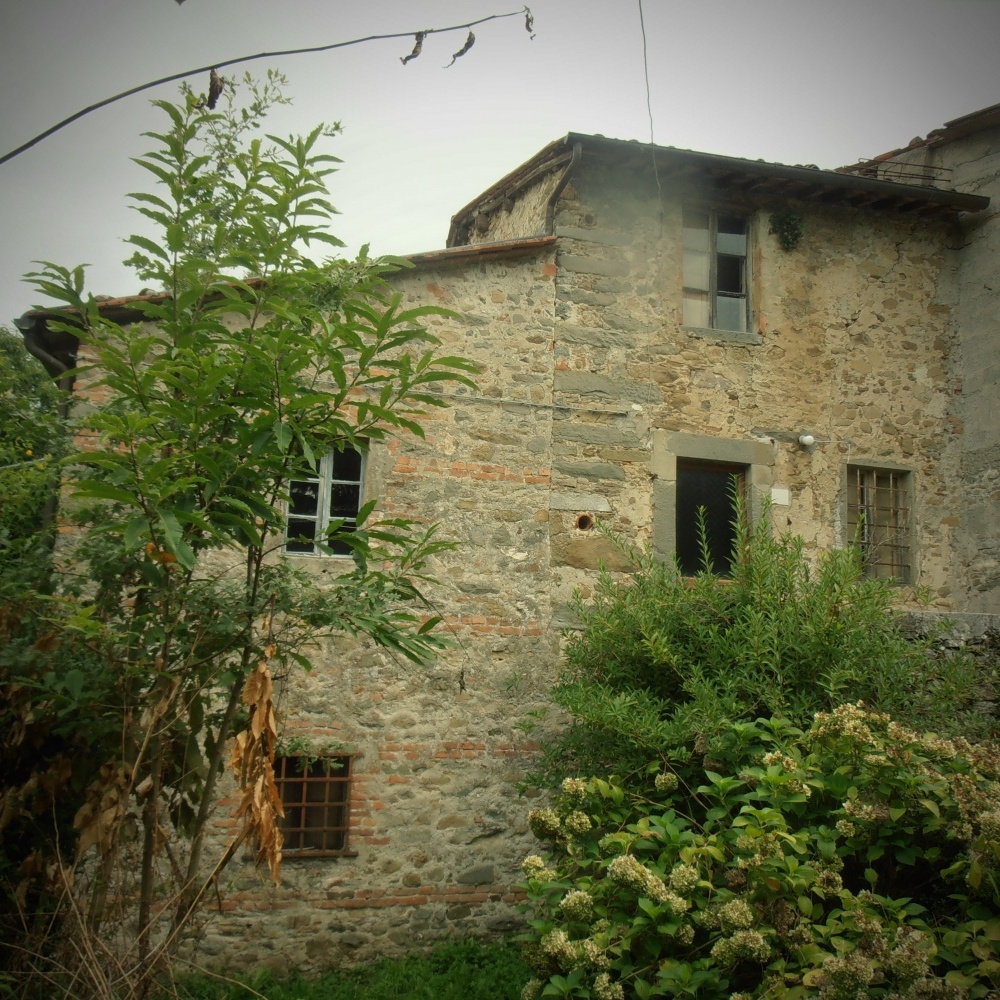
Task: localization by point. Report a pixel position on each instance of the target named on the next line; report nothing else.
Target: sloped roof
(957, 128)
(735, 175)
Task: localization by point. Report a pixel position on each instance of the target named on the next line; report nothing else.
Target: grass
(464, 970)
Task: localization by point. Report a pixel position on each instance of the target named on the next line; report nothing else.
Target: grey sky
(795, 81)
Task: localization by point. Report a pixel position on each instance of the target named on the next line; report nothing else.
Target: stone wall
(975, 163)
(850, 341)
(970, 163)
(437, 828)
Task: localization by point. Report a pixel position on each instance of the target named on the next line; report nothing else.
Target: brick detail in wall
(407, 465)
(363, 899)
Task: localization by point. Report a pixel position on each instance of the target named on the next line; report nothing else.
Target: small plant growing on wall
(788, 227)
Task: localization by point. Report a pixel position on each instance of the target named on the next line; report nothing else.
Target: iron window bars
(315, 794)
(878, 520)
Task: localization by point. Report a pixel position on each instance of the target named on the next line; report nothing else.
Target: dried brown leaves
(252, 762)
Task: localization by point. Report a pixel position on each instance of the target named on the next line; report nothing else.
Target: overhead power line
(468, 25)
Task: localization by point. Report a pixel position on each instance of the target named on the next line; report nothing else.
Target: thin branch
(241, 59)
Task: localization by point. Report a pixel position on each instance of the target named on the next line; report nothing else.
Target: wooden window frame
(713, 254)
(316, 798)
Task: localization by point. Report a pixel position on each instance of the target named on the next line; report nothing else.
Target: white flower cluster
(577, 905)
(630, 874)
(604, 989)
(846, 828)
(908, 959)
(829, 881)
(746, 945)
(544, 823)
(577, 823)
(532, 989)
(684, 935)
(849, 976)
(785, 762)
(575, 790)
(568, 954)
(557, 946)
(866, 812)
(534, 867)
(735, 915)
(666, 782)
(684, 879)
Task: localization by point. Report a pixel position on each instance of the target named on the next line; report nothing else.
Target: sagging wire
(418, 35)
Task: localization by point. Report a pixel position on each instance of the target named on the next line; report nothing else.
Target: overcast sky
(794, 81)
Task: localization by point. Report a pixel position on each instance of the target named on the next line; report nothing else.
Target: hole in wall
(584, 522)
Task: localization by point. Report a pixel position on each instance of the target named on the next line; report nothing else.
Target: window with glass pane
(878, 520)
(333, 495)
(711, 487)
(315, 796)
(715, 271)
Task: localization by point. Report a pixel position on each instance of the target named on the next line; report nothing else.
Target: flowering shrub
(856, 859)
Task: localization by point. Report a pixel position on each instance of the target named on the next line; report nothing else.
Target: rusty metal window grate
(315, 795)
(878, 520)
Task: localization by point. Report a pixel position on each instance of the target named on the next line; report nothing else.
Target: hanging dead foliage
(529, 22)
(418, 46)
(252, 762)
(469, 42)
(100, 817)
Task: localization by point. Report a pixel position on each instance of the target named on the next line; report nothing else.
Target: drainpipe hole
(584, 522)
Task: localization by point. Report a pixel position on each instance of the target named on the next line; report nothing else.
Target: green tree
(32, 439)
(172, 605)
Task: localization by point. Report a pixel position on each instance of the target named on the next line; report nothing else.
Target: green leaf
(174, 536)
(103, 491)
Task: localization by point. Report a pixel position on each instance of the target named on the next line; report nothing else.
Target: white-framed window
(878, 520)
(333, 495)
(715, 270)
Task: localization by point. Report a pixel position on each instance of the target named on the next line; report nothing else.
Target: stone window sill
(724, 336)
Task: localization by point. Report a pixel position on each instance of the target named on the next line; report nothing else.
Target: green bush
(460, 970)
(856, 859)
(33, 437)
(664, 662)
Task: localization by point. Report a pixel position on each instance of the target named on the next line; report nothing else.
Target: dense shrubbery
(855, 859)
(32, 439)
(664, 662)
(774, 824)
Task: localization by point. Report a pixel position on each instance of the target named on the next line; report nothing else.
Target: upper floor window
(333, 494)
(715, 271)
(878, 520)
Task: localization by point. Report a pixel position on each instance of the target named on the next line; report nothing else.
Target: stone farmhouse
(649, 322)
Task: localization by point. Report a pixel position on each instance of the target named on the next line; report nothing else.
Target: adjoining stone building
(648, 322)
